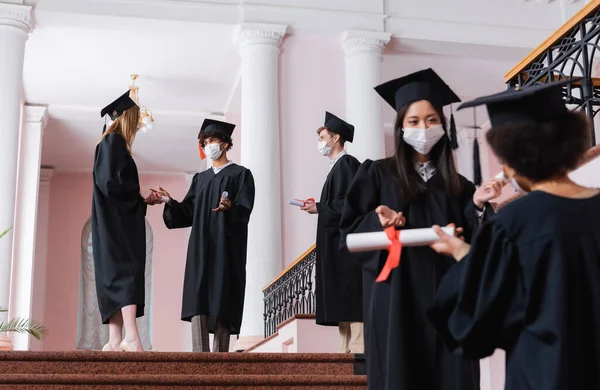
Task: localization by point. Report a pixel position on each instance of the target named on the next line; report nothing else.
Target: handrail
(289, 267)
(552, 39)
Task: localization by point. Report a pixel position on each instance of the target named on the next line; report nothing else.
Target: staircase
(161, 370)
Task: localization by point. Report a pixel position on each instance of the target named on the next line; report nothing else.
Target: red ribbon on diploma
(393, 259)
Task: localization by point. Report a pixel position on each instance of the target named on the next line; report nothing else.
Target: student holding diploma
(529, 282)
(217, 207)
(415, 188)
(338, 284)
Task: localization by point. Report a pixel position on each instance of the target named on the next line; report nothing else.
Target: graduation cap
(537, 104)
(422, 85)
(212, 124)
(339, 126)
(116, 108)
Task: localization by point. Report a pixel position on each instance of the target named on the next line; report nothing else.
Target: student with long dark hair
(416, 187)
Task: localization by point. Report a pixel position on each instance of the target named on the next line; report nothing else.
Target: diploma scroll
(363, 242)
(224, 195)
(300, 203)
(500, 176)
(165, 199)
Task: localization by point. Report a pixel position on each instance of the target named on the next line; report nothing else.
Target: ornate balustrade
(290, 293)
(567, 53)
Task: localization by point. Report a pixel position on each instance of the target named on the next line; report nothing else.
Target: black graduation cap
(116, 108)
(211, 124)
(536, 104)
(339, 126)
(422, 85)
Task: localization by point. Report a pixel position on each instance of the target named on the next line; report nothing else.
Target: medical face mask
(423, 140)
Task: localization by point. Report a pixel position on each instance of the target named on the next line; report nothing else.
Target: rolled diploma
(362, 242)
(500, 176)
(165, 199)
(296, 202)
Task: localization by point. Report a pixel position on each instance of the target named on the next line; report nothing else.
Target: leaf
(4, 233)
(23, 325)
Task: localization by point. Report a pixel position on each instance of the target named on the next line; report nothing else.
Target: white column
(364, 50)
(15, 24)
(35, 119)
(259, 50)
(38, 303)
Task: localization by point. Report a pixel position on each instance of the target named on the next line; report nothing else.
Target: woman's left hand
(487, 191)
(450, 245)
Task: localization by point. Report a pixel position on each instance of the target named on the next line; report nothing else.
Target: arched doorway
(91, 334)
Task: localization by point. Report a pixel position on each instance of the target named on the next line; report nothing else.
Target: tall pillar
(38, 304)
(363, 55)
(258, 46)
(15, 24)
(35, 119)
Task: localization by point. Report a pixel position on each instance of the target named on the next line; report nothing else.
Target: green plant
(4, 233)
(23, 325)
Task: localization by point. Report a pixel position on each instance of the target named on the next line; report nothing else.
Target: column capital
(355, 41)
(36, 115)
(259, 33)
(16, 15)
(46, 173)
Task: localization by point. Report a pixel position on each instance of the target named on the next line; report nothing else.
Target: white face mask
(213, 151)
(423, 140)
(323, 148)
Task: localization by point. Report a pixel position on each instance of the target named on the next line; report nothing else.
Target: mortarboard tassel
(453, 136)
(476, 162)
(202, 155)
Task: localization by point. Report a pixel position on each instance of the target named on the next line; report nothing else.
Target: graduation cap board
(422, 85)
(212, 124)
(116, 108)
(339, 126)
(537, 104)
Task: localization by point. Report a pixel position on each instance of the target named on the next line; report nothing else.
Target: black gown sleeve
(242, 205)
(472, 218)
(113, 175)
(358, 215)
(480, 302)
(181, 214)
(330, 211)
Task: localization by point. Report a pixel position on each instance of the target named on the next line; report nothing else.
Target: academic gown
(529, 285)
(215, 271)
(118, 229)
(403, 351)
(338, 279)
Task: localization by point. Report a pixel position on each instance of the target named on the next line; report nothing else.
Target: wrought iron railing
(291, 293)
(568, 53)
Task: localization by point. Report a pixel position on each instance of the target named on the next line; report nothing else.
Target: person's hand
(152, 199)
(224, 205)
(310, 206)
(454, 246)
(487, 191)
(159, 193)
(388, 217)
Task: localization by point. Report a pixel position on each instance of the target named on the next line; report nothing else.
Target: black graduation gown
(338, 279)
(530, 286)
(215, 270)
(402, 349)
(118, 229)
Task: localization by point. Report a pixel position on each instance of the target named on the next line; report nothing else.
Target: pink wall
(312, 81)
(70, 207)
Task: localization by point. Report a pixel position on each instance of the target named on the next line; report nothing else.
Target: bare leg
(222, 337)
(200, 334)
(115, 332)
(132, 338)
